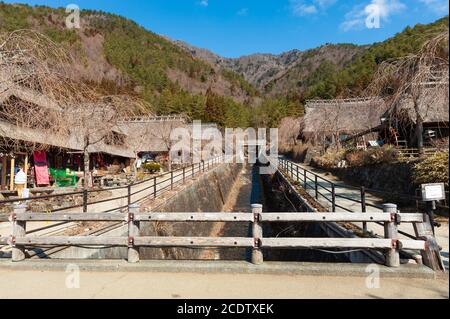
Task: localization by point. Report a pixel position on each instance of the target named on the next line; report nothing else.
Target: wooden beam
(198, 242)
(327, 243)
(325, 217)
(11, 179)
(72, 217)
(196, 217)
(26, 164)
(222, 217)
(193, 242)
(72, 241)
(4, 172)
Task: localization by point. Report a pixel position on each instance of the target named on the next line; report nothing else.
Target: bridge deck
(162, 279)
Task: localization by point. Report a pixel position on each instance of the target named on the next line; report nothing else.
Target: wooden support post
(133, 232)
(11, 175)
(171, 180)
(363, 206)
(316, 187)
(305, 184)
(431, 256)
(4, 167)
(85, 200)
(25, 169)
(297, 174)
(184, 174)
(333, 197)
(19, 230)
(391, 232)
(154, 187)
(257, 230)
(129, 194)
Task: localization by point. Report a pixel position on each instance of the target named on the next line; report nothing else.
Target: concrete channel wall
(208, 193)
(281, 192)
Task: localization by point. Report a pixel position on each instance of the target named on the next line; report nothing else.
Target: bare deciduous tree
(421, 78)
(41, 106)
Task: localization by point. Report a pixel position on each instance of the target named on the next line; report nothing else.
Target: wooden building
(331, 122)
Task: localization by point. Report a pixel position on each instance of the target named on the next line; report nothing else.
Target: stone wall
(392, 177)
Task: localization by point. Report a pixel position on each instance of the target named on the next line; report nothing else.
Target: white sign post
(433, 192)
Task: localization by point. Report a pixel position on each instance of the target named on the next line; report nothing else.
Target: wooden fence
(154, 186)
(390, 217)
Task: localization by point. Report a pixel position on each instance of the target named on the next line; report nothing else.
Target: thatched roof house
(337, 119)
(150, 133)
(433, 109)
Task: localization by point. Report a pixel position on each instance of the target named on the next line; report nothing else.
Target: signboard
(432, 192)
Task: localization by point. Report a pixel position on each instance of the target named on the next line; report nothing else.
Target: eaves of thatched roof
(433, 107)
(344, 116)
(27, 95)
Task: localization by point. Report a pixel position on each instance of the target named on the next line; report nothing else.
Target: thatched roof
(433, 107)
(26, 95)
(150, 134)
(344, 116)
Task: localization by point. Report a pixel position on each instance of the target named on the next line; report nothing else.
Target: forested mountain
(118, 56)
(342, 70)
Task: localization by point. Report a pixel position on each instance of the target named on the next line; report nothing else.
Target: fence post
(305, 185)
(171, 180)
(19, 230)
(203, 165)
(184, 175)
(154, 187)
(297, 174)
(133, 232)
(431, 255)
(391, 232)
(85, 200)
(129, 194)
(333, 197)
(193, 168)
(363, 206)
(257, 231)
(316, 186)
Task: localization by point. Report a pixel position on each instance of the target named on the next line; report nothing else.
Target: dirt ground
(32, 284)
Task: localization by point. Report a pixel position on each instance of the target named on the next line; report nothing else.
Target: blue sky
(239, 27)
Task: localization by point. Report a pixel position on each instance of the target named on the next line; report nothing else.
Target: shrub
(380, 155)
(152, 167)
(433, 169)
(355, 158)
(330, 159)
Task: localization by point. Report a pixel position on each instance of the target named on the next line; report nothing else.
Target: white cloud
(371, 14)
(437, 6)
(308, 7)
(204, 3)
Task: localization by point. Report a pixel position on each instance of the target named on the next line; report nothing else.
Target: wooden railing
(151, 187)
(412, 153)
(390, 217)
(332, 192)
